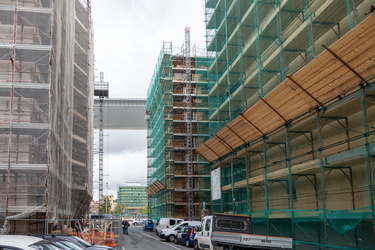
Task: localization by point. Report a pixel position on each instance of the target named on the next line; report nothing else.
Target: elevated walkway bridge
(121, 113)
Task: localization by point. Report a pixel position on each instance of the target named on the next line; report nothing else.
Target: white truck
(227, 232)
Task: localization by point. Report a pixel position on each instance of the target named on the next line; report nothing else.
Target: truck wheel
(196, 245)
(187, 244)
(171, 238)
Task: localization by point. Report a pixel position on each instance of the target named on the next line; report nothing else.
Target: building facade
(178, 180)
(46, 122)
(134, 196)
(292, 118)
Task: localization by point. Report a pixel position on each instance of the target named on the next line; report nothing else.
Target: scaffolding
(46, 120)
(101, 90)
(178, 180)
(292, 118)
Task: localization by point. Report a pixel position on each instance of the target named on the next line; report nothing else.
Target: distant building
(94, 207)
(111, 200)
(134, 196)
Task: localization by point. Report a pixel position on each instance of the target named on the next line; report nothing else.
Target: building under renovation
(46, 122)
(292, 118)
(177, 122)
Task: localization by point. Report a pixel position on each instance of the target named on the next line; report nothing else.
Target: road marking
(161, 241)
(123, 248)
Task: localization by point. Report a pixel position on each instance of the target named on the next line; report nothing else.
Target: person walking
(125, 226)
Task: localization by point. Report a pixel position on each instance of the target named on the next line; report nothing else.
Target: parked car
(148, 225)
(62, 243)
(25, 242)
(166, 223)
(76, 240)
(169, 234)
(186, 236)
(136, 221)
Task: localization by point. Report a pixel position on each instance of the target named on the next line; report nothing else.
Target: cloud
(120, 168)
(118, 141)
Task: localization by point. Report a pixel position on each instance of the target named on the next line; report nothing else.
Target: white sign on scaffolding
(216, 184)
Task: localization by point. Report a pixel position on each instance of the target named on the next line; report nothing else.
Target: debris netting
(39, 65)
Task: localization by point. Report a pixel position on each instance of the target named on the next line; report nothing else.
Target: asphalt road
(137, 239)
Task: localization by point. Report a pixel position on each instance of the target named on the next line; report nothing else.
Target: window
(230, 224)
(208, 224)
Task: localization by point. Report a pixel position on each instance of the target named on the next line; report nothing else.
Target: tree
(105, 207)
(119, 209)
(145, 210)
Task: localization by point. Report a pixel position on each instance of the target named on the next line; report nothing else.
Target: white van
(167, 223)
(169, 234)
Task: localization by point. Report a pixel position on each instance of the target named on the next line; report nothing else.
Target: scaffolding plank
(289, 103)
(324, 77)
(360, 63)
(362, 33)
(336, 77)
(244, 130)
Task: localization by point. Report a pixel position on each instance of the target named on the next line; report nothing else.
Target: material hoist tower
(101, 91)
(189, 125)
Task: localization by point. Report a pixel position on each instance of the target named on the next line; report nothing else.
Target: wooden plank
(255, 106)
(318, 70)
(290, 103)
(231, 139)
(250, 135)
(363, 32)
(245, 120)
(344, 75)
(334, 71)
(349, 83)
(281, 88)
(295, 108)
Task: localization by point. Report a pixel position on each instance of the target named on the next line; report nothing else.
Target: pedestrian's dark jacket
(125, 224)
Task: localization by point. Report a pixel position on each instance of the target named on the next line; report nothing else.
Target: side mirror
(178, 231)
(198, 228)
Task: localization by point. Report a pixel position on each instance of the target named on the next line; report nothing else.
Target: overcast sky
(128, 36)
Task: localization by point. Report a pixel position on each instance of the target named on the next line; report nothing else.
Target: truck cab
(227, 231)
(203, 233)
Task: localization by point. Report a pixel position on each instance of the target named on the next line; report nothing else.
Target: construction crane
(101, 90)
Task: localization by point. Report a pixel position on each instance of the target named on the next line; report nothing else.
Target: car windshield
(82, 242)
(46, 246)
(67, 245)
(176, 226)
